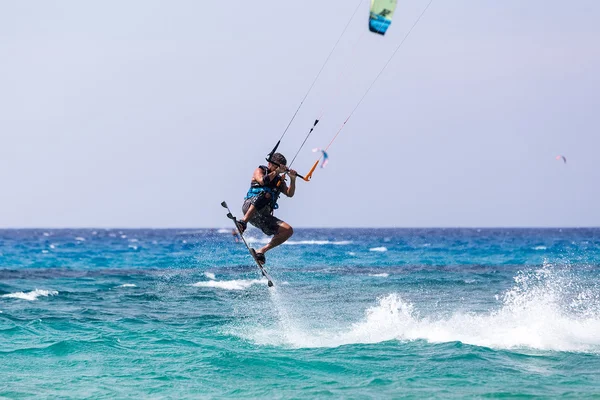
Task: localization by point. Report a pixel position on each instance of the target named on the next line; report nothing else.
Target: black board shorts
(263, 219)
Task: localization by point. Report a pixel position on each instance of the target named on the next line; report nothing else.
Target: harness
(257, 190)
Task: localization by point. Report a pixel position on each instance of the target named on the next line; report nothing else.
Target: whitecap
(251, 239)
(380, 249)
(318, 242)
(382, 275)
(237, 284)
(196, 232)
(80, 239)
(223, 230)
(539, 248)
(127, 285)
(33, 295)
(210, 275)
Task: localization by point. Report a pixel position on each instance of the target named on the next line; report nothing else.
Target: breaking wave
(31, 296)
(544, 310)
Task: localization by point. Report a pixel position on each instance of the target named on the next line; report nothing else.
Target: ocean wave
(223, 230)
(301, 242)
(320, 242)
(545, 310)
(67, 346)
(382, 275)
(236, 284)
(210, 275)
(539, 248)
(125, 285)
(31, 296)
(197, 232)
(380, 249)
(251, 239)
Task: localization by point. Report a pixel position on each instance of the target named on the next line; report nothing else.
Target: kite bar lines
(378, 23)
(380, 18)
(318, 75)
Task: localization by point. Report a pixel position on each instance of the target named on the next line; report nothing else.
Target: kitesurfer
(260, 202)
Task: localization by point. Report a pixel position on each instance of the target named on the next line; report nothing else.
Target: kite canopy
(559, 157)
(381, 15)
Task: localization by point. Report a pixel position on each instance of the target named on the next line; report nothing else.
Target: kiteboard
(263, 271)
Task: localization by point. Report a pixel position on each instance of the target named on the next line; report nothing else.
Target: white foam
(127, 285)
(545, 310)
(31, 296)
(237, 284)
(539, 248)
(251, 239)
(319, 242)
(80, 239)
(46, 234)
(382, 275)
(223, 230)
(380, 249)
(210, 275)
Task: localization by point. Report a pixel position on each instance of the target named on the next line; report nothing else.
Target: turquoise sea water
(379, 313)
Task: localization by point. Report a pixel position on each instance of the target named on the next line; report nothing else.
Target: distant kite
(562, 158)
(324, 155)
(381, 14)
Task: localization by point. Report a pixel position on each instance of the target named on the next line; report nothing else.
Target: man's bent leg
(248, 215)
(254, 205)
(284, 232)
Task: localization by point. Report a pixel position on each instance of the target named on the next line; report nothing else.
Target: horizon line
(331, 227)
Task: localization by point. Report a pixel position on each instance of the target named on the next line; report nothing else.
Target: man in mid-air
(260, 202)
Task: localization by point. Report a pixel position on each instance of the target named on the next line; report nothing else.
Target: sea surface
(354, 313)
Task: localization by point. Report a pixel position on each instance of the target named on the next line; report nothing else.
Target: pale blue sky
(150, 113)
